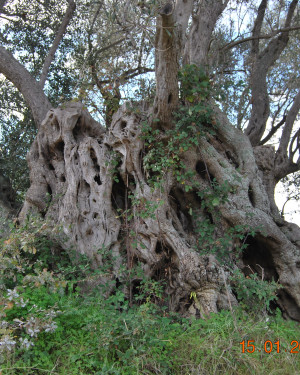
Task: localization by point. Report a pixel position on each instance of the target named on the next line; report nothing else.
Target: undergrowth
(48, 326)
(94, 336)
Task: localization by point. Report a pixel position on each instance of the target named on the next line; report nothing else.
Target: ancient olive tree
(169, 183)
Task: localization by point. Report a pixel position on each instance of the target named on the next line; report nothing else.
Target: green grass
(96, 336)
(104, 336)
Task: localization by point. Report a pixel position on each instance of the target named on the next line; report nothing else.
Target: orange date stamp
(269, 347)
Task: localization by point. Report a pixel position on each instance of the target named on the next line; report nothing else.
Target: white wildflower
(21, 303)
(50, 327)
(7, 343)
(12, 294)
(32, 327)
(51, 314)
(25, 343)
(3, 324)
(19, 322)
(33, 331)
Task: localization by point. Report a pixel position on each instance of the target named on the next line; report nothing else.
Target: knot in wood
(167, 9)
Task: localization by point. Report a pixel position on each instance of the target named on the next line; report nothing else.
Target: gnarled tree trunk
(73, 159)
(100, 190)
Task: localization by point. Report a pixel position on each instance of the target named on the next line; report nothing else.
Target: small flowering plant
(35, 276)
(28, 290)
(21, 321)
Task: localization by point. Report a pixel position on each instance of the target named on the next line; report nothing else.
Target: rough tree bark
(90, 172)
(26, 84)
(166, 65)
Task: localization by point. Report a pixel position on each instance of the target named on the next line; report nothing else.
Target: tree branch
(279, 125)
(113, 44)
(291, 151)
(183, 11)
(272, 131)
(290, 14)
(59, 35)
(203, 24)
(274, 49)
(125, 76)
(266, 36)
(257, 26)
(95, 17)
(26, 84)
(290, 120)
(262, 61)
(166, 65)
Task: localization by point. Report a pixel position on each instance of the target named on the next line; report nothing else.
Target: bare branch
(135, 72)
(290, 14)
(290, 120)
(95, 17)
(284, 164)
(274, 49)
(282, 210)
(262, 61)
(273, 131)
(59, 35)
(257, 26)
(266, 36)
(274, 127)
(26, 84)
(292, 151)
(125, 76)
(111, 45)
(5, 18)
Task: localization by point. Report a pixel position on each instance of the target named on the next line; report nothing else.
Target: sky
(291, 209)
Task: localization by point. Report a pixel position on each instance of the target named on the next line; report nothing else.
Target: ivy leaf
(190, 98)
(215, 202)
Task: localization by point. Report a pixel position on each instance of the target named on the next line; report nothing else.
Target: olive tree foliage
(84, 64)
(234, 53)
(27, 30)
(164, 180)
